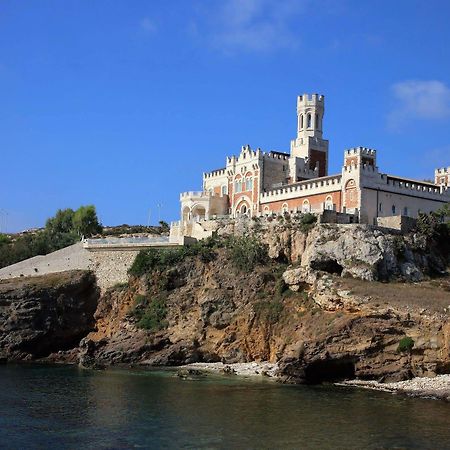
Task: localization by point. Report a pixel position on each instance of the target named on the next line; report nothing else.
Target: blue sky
(124, 104)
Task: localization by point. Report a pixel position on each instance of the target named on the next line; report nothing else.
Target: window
(243, 209)
(306, 207)
(224, 189)
(317, 121)
(405, 211)
(393, 209)
(301, 121)
(380, 207)
(238, 186)
(329, 203)
(248, 184)
(309, 121)
(284, 208)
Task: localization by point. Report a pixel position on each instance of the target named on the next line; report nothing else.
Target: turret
(309, 143)
(442, 176)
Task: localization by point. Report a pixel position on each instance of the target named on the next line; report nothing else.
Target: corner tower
(309, 143)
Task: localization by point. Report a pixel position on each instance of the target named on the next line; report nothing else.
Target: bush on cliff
(150, 260)
(406, 344)
(246, 252)
(307, 222)
(151, 314)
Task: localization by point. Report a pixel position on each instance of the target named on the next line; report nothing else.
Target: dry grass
(433, 295)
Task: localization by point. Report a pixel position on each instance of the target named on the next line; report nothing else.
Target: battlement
(442, 171)
(304, 187)
(355, 151)
(310, 99)
(276, 155)
(214, 173)
(198, 194)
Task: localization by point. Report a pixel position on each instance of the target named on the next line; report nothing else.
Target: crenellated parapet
(214, 173)
(310, 100)
(361, 151)
(303, 188)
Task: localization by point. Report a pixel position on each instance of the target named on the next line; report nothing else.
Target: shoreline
(437, 387)
(249, 369)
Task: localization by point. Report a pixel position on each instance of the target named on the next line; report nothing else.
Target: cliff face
(326, 303)
(41, 315)
(315, 323)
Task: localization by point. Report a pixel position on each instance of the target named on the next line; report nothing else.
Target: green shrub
(246, 252)
(151, 314)
(153, 259)
(269, 310)
(307, 222)
(406, 344)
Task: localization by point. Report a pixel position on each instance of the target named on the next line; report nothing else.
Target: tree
(62, 222)
(165, 228)
(85, 221)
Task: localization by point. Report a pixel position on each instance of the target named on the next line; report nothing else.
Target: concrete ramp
(74, 257)
(108, 258)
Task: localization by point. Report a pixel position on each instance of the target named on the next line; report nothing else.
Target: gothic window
(248, 184)
(306, 208)
(309, 121)
(329, 203)
(238, 186)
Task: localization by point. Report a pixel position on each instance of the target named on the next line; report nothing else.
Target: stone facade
(256, 183)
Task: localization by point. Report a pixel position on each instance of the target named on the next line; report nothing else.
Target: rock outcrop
(330, 302)
(41, 315)
(310, 317)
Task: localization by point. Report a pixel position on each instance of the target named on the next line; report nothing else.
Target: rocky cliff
(41, 315)
(320, 305)
(324, 302)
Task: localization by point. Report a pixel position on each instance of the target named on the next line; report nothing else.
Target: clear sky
(123, 104)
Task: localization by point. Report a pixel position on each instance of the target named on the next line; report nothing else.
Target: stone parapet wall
(111, 266)
(74, 257)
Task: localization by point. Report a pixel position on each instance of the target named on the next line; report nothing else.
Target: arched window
(306, 208)
(329, 203)
(393, 209)
(248, 184)
(285, 208)
(244, 209)
(301, 122)
(316, 124)
(309, 121)
(238, 186)
(266, 210)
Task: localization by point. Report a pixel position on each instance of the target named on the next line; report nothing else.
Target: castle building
(256, 183)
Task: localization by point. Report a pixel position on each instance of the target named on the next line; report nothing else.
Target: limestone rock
(41, 315)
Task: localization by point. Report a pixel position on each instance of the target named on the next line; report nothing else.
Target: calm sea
(65, 407)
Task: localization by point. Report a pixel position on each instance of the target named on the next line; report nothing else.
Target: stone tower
(309, 143)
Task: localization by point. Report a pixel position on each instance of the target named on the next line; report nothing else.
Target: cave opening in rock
(327, 265)
(330, 370)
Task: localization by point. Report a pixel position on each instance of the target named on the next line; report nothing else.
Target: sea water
(52, 407)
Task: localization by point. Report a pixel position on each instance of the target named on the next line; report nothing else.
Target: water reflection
(67, 407)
